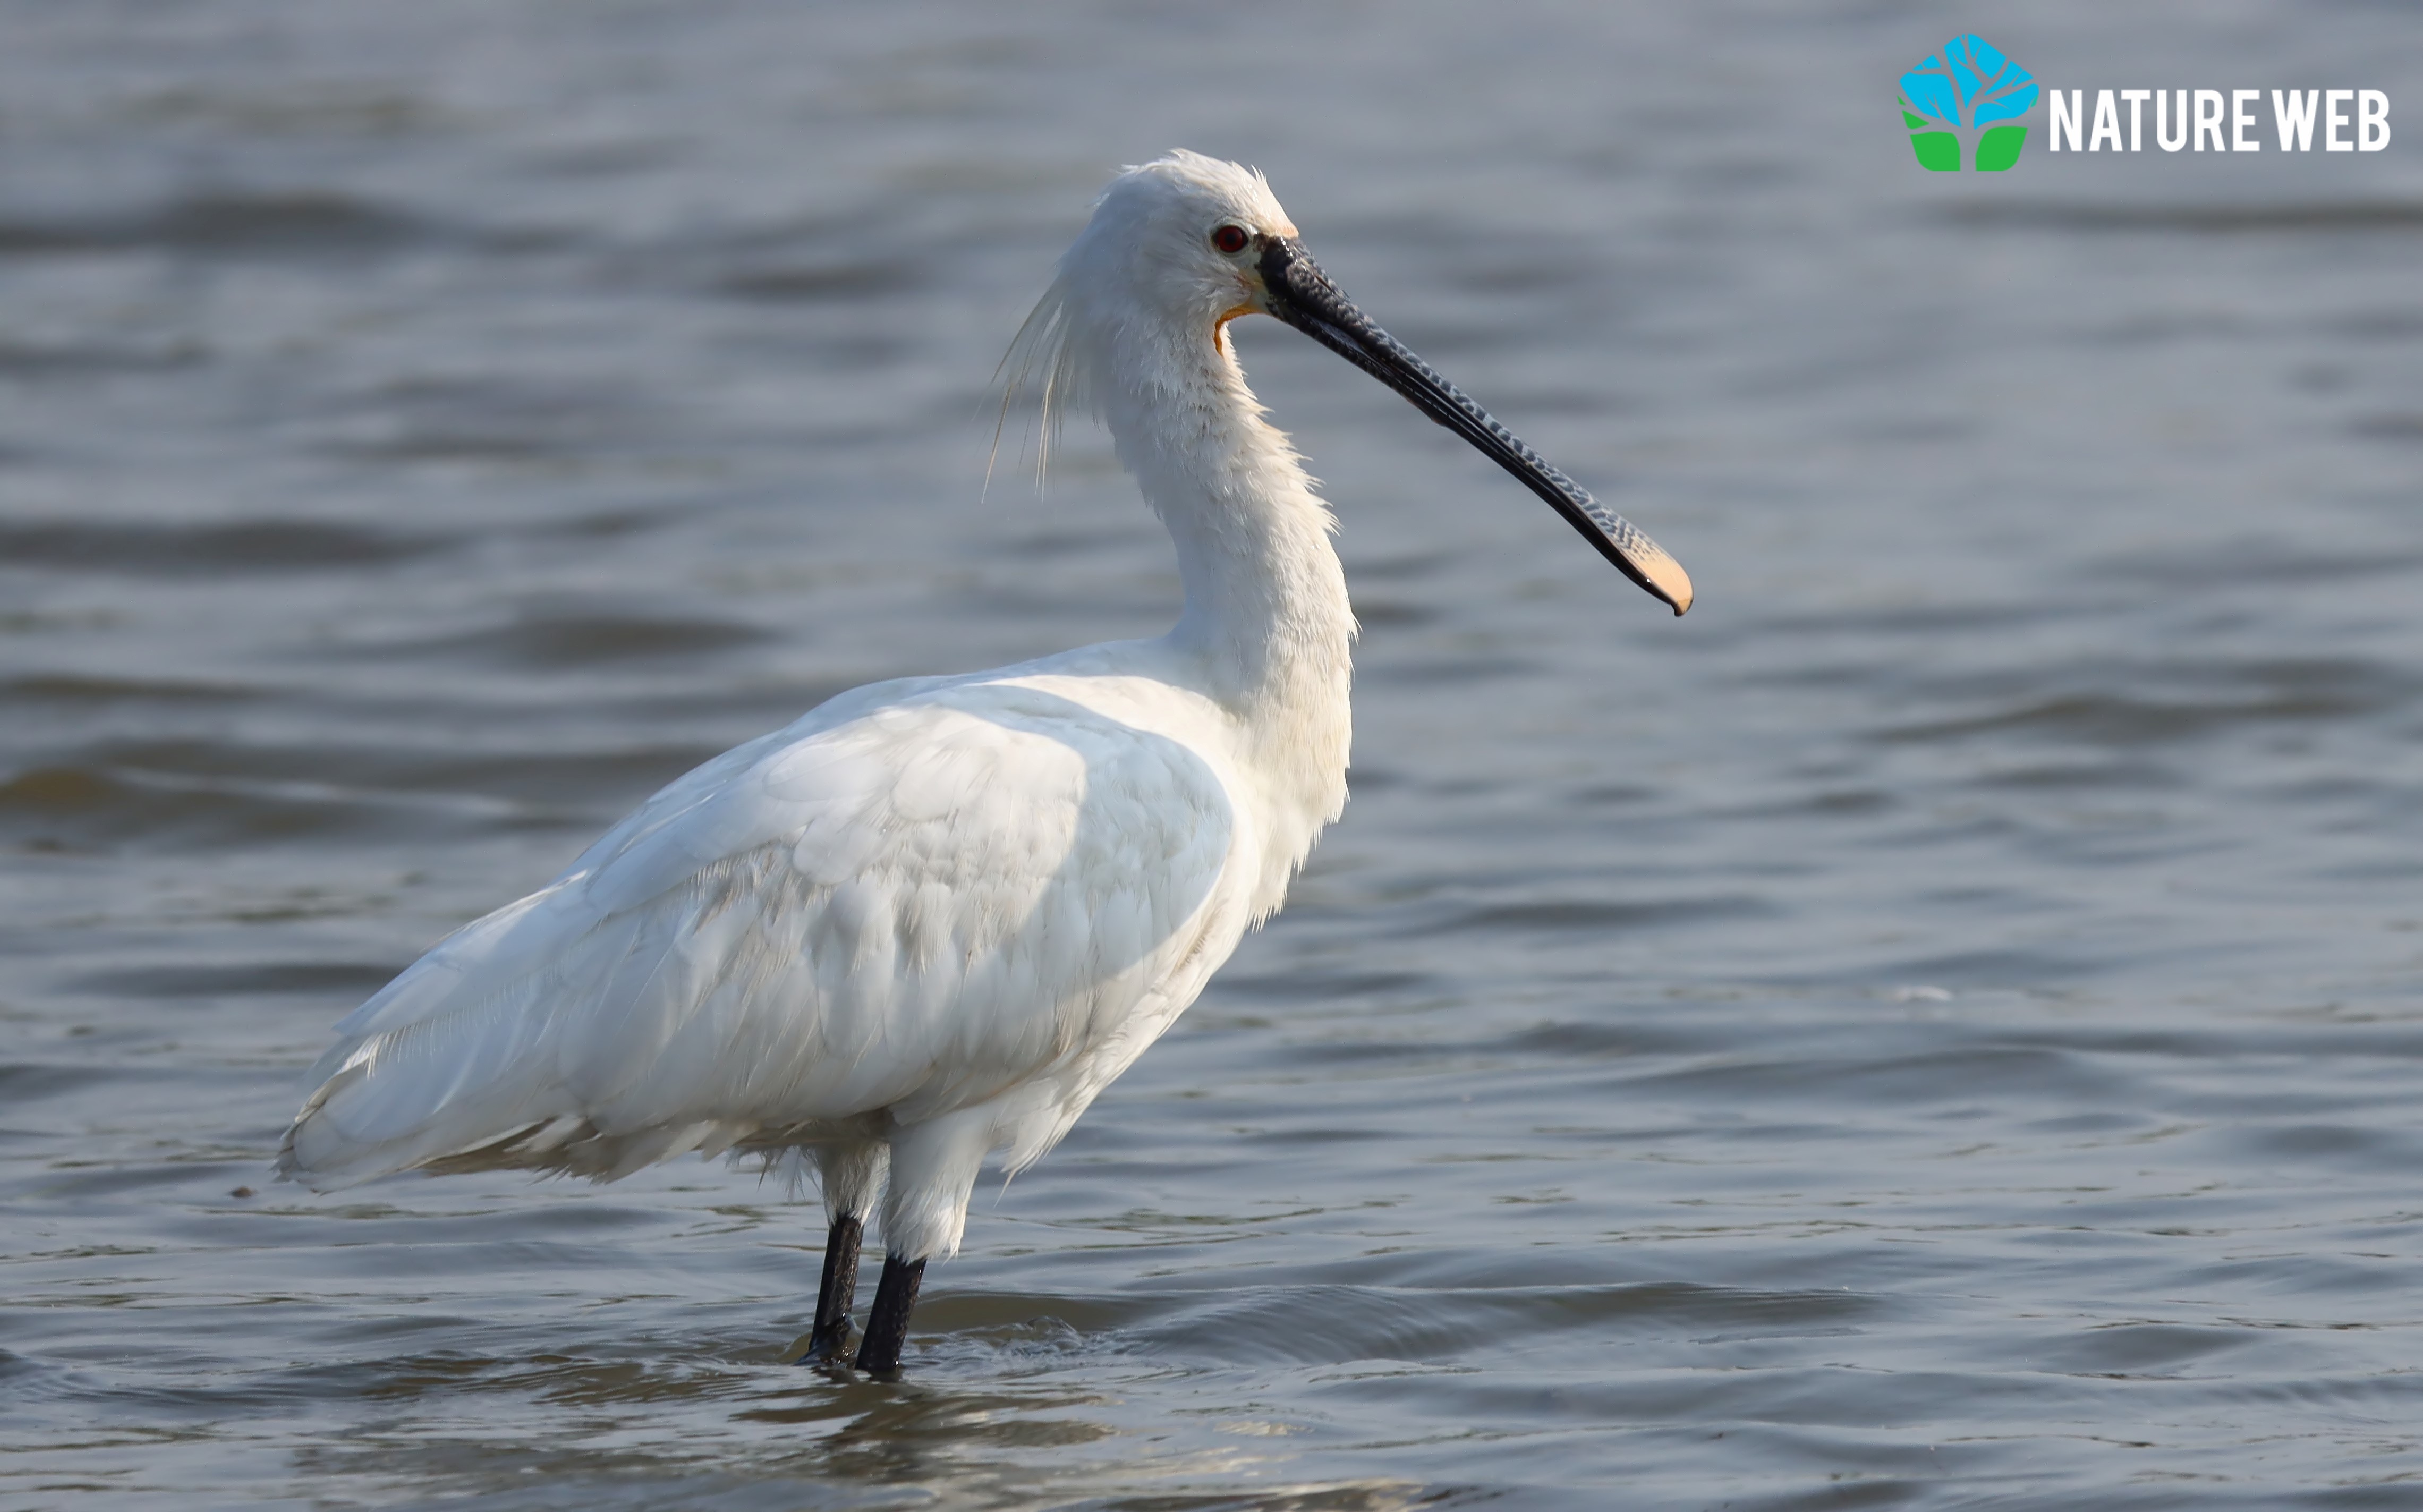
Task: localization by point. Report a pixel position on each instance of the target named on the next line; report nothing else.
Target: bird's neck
(1266, 616)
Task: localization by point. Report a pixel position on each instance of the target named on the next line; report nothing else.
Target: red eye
(1230, 238)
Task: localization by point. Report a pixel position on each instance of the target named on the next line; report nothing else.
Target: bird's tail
(508, 1045)
(450, 1060)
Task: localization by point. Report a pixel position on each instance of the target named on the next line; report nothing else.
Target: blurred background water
(1936, 1027)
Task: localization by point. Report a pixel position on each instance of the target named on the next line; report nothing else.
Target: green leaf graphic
(1939, 151)
(2000, 147)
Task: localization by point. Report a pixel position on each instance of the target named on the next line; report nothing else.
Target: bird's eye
(1230, 238)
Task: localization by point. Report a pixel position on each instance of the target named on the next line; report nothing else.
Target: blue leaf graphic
(1930, 92)
(1970, 83)
(2008, 107)
(1985, 59)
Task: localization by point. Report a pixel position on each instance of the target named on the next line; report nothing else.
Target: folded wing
(900, 911)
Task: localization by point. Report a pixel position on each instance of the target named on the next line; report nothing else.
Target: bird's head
(1178, 246)
(1180, 240)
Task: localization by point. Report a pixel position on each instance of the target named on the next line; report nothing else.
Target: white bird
(933, 918)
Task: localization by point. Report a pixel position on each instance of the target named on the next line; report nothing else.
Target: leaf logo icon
(1952, 102)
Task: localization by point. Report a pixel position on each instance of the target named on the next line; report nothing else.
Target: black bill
(1301, 295)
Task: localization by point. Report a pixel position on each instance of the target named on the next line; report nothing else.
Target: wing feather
(912, 907)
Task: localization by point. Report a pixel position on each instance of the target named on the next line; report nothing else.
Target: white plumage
(940, 914)
(932, 919)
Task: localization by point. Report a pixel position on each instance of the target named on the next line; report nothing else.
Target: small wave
(145, 548)
(813, 282)
(339, 978)
(551, 641)
(302, 221)
(2340, 216)
(2179, 703)
(1593, 916)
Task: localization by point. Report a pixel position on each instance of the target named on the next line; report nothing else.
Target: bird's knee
(934, 1167)
(852, 1178)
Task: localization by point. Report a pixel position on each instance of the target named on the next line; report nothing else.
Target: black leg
(887, 1322)
(831, 1338)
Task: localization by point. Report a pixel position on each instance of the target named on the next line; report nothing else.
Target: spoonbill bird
(932, 919)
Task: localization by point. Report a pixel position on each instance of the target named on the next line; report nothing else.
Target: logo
(1951, 103)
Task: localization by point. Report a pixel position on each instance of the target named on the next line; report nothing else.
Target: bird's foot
(828, 1342)
(887, 1324)
(827, 1346)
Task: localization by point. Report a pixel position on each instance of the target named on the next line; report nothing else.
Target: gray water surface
(1939, 1026)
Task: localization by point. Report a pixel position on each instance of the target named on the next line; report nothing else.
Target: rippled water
(1939, 1026)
